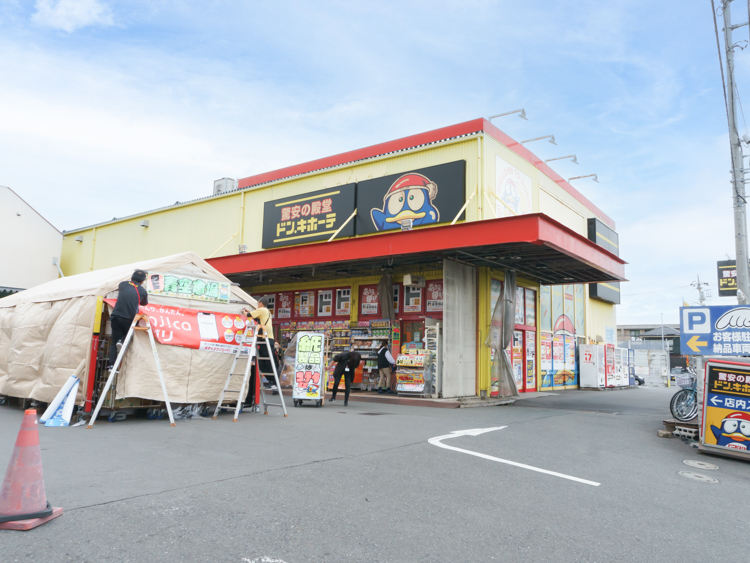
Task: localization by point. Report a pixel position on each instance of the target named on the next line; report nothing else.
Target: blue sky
(109, 108)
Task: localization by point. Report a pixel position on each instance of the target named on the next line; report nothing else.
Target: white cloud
(71, 15)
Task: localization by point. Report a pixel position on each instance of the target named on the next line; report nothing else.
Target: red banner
(191, 328)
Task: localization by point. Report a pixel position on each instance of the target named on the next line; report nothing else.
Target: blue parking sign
(722, 330)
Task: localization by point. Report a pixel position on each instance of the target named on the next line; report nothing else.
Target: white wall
(27, 244)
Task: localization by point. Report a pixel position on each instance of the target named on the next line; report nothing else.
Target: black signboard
(308, 217)
(602, 235)
(609, 292)
(727, 278)
(608, 239)
(427, 196)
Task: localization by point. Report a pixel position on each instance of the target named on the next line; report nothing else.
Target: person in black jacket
(346, 364)
(129, 299)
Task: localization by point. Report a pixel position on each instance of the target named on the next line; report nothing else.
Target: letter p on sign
(696, 321)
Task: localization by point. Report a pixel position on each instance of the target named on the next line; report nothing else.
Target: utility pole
(701, 293)
(738, 172)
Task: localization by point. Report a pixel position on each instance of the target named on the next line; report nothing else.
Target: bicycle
(684, 403)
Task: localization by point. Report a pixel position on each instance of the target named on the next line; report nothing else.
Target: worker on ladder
(263, 316)
(131, 296)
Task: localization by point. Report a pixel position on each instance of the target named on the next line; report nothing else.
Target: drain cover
(701, 464)
(698, 476)
(374, 413)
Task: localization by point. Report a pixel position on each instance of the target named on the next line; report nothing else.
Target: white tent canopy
(46, 332)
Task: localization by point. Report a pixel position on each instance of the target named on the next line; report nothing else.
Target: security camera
(746, 139)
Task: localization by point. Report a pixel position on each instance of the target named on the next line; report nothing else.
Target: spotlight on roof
(521, 113)
(587, 176)
(550, 137)
(572, 158)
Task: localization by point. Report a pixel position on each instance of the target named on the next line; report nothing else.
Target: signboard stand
(309, 380)
(725, 421)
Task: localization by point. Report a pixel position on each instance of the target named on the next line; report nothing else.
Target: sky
(110, 108)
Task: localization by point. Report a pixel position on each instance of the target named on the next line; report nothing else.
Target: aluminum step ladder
(250, 354)
(116, 368)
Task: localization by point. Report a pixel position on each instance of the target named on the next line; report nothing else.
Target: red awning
(535, 245)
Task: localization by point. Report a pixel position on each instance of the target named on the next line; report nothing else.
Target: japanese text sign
(308, 217)
(189, 328)
(727, 270)
(726, 406)
(188, 287)
(309, 364)
(716, 330)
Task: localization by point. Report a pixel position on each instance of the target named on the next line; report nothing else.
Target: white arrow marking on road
(714, 399)
(437, 441)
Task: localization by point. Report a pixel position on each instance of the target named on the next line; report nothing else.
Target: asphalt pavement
(363, 483)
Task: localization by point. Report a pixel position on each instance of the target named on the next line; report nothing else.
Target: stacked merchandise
(414, 374)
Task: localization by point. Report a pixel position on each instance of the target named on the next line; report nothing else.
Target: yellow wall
(204, 226)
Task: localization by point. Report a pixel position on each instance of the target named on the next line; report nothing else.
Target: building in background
(419, 231)
(30, 246)
(649, 337)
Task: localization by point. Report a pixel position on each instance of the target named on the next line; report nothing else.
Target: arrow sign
(695, 344)
(437, 441)
(714, 399)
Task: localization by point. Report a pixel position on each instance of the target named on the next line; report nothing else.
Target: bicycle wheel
(684, 405)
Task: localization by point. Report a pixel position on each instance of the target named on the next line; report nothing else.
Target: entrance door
(530, 361)
(412, 331)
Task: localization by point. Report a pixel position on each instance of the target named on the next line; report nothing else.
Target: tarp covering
(500, 336)
(45, 336)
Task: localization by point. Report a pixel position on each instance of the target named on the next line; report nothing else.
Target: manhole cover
(698, 476)
(374, 413)
(701, 464)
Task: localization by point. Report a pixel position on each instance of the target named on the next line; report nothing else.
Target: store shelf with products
(366, 340)
(433, 344)
(414, 375)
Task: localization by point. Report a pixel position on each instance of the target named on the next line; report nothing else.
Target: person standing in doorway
(131, 295)
(385, 367)
(346, 364)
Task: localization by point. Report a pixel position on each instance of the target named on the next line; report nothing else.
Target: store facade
(407, 241)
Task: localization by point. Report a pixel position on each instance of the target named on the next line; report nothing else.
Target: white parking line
(437, 441)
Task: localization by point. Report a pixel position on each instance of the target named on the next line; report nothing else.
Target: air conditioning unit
(414, 281)
(225, 185)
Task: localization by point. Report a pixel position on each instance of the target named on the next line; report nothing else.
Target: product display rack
(433, 344)
(414, 373)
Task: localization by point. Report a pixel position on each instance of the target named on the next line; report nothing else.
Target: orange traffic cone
(23, 503)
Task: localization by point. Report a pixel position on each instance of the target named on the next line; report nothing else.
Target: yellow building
(453, 209)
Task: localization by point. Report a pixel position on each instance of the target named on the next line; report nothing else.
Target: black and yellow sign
(308, 217)
(726, 414)
(727, 278)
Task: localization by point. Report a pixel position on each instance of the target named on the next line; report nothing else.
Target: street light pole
(738, 173)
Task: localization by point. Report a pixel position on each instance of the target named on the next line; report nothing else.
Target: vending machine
(631, 367)
(609, 365)
(592, 373)
(619, 368)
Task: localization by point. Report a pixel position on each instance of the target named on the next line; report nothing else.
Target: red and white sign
(190, 328)
(369, 301)
(284, 306)
(435, 296)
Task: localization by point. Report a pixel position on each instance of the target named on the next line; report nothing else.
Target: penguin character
(410, 197)
(734, 432)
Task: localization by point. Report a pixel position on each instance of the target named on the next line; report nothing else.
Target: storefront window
(412, 299)
(396, 294)
(530, 307)
(304, 302)
(569, 307)
(545, 302)
(519, 306)
(580, 321)
(435, 296)
(557, 307)
(325, 305)
(271, 304)
(369, 300)
(343, 301)
(285, 306)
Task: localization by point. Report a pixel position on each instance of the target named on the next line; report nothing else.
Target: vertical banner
(284, 306)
